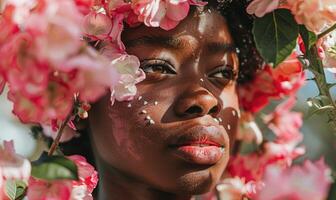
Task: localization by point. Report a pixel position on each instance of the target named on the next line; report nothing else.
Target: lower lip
(205, 155)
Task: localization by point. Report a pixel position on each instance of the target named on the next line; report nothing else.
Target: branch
(59, 135)
(326, 32)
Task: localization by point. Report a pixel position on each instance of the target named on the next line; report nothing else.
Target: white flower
(128, 68)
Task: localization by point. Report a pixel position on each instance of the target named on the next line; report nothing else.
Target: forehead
(206, 26)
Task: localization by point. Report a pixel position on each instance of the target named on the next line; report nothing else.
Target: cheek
(129, 129)
(230, 113)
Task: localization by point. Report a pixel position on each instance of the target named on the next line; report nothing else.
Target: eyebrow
(168, 42)
(177, 43)
(216, 47)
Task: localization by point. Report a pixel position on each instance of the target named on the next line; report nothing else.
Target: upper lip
(199, 135)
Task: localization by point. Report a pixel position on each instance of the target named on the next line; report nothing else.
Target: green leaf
(54, 167)
(275, 35)
(309, 38)
(15, 189)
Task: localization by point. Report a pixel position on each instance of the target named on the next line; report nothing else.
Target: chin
(199, 182)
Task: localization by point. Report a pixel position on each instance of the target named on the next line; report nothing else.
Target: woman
(174, 139)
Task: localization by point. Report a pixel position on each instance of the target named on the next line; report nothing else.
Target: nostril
(213, 110)
(193, 110)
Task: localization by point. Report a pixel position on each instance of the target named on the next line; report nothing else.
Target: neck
(115, 185)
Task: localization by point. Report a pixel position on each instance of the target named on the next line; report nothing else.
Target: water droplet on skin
(216, 120)
(234, 113)
(148, 117)
(145, 102)
(129, 105)
(156, 103)
(143, 112)
(229, 127)
(151, 121)
(220, 119)
(201, 80)
(139, 98)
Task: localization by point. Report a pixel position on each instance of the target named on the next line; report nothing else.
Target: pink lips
(203, 155)
(203, 145)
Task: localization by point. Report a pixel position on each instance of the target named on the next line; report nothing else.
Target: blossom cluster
(323, 17)
(13, 167)
(46, 61)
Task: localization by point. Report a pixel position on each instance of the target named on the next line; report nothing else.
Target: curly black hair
(240, 23)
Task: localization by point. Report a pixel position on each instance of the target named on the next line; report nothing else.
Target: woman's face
(175, 135)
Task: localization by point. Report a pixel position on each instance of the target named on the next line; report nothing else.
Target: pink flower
(97, 26)
(46, 63)
(130, 74)
(66, 189)
(12, 165)
(88, 178)
(56, 26)
(20, 67)
(21, 9)
(283, 153)
(84, 6)
(284, 123)
(162, 13)
(93, 74)
(262, 7)
(43, 190)
(323, 17)
(248, 129)
(285, 79)
(236, 188)
(310, 181)
(9, 26)
(54, 103)
(250, 167)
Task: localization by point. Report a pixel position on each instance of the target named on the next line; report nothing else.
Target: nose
(196, 104)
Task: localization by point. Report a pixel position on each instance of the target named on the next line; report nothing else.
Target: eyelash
(166, 67)
(162, 67)
(226, 71)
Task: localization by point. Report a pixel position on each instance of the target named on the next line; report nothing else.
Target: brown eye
(223, 73)
(157, 67)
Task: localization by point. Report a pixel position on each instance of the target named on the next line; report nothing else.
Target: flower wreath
(53, 73)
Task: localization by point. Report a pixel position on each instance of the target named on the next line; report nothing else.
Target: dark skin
(191, 73)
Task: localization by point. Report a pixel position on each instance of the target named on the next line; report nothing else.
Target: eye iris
(227, 74)
(158, 69)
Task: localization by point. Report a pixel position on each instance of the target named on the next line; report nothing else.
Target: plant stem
(59, 135)
(326, 32)
(316, 67)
